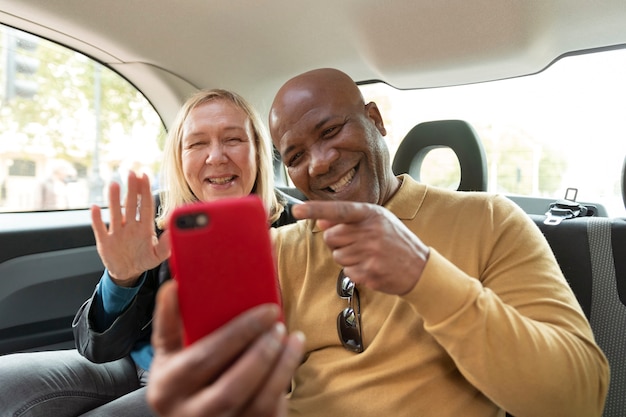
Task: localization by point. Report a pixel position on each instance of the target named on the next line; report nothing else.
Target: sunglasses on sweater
(349, 319)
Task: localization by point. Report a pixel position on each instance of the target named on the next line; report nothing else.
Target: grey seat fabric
(457, 135)
(590, 251)
(624, 182)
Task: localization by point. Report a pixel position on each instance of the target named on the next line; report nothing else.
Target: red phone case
(223, 267)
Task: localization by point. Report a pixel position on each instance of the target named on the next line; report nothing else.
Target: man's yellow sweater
(491, 325)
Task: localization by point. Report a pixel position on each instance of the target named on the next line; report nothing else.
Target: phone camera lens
(201, 220)
(192, 221)
(185, 222)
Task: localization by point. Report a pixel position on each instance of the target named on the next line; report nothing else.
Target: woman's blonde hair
(176, 192)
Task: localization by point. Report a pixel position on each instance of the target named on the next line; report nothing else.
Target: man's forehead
(303, 113)
(301, 110)
(308, 121)
(296, 94)
(310, 93)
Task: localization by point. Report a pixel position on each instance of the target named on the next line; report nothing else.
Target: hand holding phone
(222, 260)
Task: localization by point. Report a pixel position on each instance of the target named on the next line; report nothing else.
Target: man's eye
(331, 131)
(295, 158)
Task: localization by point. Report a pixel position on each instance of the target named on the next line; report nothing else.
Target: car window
(68, 127)
(544, 133)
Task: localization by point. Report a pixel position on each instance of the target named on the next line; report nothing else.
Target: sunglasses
(349, 319)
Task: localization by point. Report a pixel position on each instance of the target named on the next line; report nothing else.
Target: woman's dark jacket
(135, 323)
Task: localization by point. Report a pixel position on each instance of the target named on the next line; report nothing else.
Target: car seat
(588, 252)
(459, 136)
(624, 182)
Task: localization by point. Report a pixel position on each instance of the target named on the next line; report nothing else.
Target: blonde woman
(217, 148)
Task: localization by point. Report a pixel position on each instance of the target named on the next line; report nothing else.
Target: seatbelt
(608, 313)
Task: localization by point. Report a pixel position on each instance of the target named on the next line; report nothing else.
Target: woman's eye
(192, 145)
(234, 140)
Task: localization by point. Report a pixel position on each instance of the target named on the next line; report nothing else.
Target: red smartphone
(222, 259)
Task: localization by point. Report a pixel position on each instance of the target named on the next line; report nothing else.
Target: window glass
(558, 129)
(68, 126)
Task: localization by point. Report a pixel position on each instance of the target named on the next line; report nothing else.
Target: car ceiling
(170, 48)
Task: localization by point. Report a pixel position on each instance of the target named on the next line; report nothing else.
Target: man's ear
(374, 114)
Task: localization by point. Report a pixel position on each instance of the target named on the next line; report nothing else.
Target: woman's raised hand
(129, 245)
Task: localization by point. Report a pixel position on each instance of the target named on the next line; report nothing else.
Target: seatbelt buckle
(567, 208)
(560, 211)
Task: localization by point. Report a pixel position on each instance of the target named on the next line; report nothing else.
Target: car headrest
(457, 135)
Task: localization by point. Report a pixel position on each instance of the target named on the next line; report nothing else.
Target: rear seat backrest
(591, 252)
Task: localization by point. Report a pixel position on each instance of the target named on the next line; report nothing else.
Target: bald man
(463, 308)
(415, 301)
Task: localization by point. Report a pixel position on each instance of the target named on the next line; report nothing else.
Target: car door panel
(47, 270)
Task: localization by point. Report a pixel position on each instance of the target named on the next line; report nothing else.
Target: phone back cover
(224, 268)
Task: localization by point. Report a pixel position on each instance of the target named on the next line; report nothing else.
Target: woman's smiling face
(218, 151)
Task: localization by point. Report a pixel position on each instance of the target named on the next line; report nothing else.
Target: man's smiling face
(330, 141)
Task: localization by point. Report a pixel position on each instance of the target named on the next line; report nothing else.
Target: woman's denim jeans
(63, 384)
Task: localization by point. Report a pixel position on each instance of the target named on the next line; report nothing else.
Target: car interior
(453, 58)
